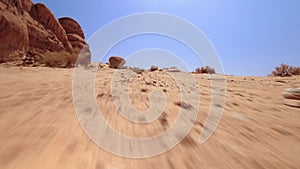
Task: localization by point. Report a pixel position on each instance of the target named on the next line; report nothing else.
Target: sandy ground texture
(39, 128)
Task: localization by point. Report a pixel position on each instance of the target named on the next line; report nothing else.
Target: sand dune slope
(39, 128)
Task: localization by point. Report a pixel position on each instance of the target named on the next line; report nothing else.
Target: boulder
(116, 62)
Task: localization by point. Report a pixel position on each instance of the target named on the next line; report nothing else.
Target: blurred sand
(39, 127)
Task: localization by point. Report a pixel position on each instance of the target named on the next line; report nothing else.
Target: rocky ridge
(28, 31)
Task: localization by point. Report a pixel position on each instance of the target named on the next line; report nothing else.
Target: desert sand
(39, 128)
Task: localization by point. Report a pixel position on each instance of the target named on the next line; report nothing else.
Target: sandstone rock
(71, 26)
(45, 17)
(76, 41)
(32, 57)
(19, 4)
(42, 39)
(28, 31)
(25, 4)
(13, 34)
(76, 38)
(116, 62)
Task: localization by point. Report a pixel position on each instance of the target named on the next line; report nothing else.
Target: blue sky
(251, 37)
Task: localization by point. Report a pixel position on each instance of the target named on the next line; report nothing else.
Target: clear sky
(250, 36)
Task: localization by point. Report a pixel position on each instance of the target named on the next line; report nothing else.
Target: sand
(39, 128)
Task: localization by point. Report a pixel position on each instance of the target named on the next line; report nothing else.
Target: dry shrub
(64, 59)
(286, 70)
(60, 59)
(206, 69)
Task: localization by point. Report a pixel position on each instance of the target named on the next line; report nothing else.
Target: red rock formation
(19, 4)
(76, 41)
(76, 38)
(13, 35)
(31, 29)
(71, 26)
(44, 16)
